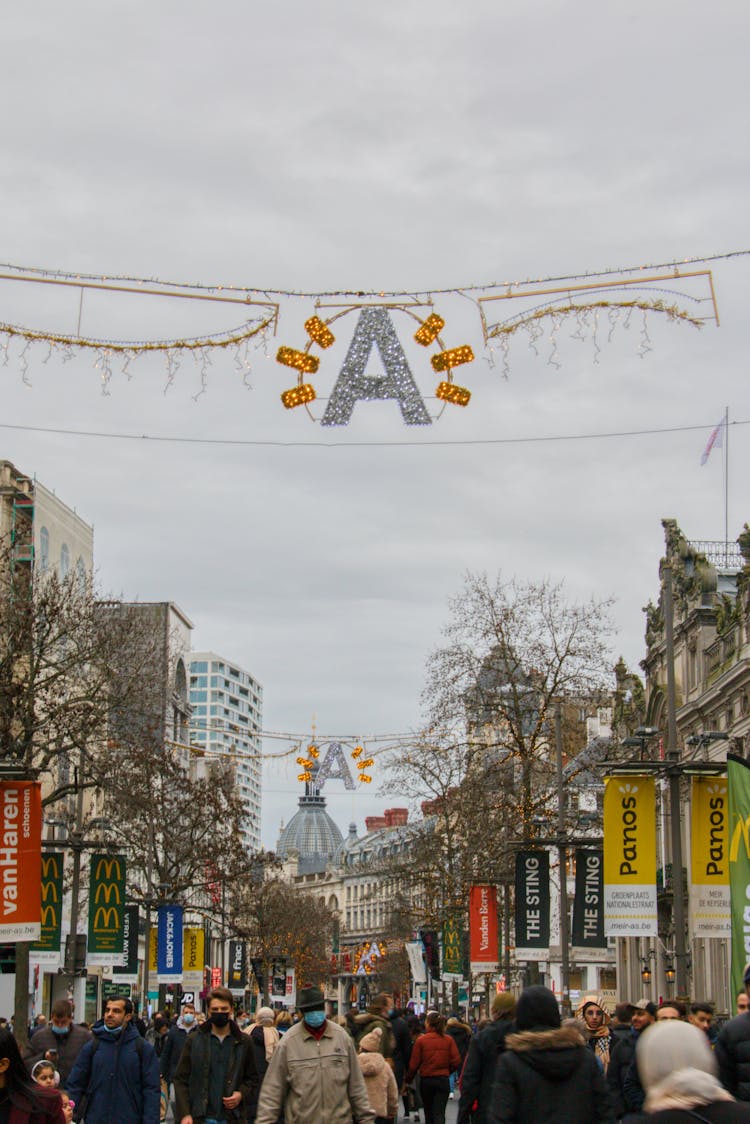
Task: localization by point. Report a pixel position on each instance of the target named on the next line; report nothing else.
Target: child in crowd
(68, 1106)
(44, 1073)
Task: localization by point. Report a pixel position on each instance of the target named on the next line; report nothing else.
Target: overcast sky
(398, 146)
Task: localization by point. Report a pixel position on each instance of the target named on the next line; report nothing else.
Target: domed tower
(310, 832)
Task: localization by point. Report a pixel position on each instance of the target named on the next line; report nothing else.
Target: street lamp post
(562, 856)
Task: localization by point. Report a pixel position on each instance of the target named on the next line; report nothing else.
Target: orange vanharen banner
(20, 860)
(483, 929)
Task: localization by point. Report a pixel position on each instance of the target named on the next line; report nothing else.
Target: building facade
(227, 721)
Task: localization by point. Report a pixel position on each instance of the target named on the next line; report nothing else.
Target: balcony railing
(724, 555)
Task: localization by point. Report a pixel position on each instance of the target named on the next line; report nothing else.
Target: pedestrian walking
(22, 1101)
(678, 1071)
(622, 1076)
(478, 1075)
(733, 1051)
(116, 1076)
(174, 1043)
(314, 1074)
(377, 1014)
(596, 1017)
(434, 1056)
(265, 1038)
(59, 1042)
(216, 1079)
(546, 1074)
(401, 1047)
(382, 1090)
(461, 1034)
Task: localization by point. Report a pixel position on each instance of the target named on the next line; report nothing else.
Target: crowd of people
(525, 1064)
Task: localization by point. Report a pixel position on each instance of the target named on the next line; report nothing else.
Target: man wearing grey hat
(314, 1073)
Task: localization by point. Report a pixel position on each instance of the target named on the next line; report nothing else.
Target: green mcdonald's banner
(47, 948)
(106, 909)
(452, 958)
(738, 784)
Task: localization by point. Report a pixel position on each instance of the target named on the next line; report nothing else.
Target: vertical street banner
(588, 904)
(483, 929)
(237, 977)
(20, 860)
(452, 958)
(106, 909)
(738, 787)
(710, 909)
(127, 971)
(532, 905)
(169, 947)
(47, 949)
(630, 856)
(193, 956)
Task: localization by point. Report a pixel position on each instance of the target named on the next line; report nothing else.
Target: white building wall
(227, 720)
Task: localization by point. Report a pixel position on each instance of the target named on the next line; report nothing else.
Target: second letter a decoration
(630, 857)
(374, 327)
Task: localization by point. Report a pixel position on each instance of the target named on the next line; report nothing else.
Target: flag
(716, 440)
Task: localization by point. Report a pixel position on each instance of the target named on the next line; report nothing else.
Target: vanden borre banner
(483, 929)
(710, 912)
(47, 949)
(630, 856)
(532, 905)
(738, 786)
(106, 909)
(20, 860)
(588, 904)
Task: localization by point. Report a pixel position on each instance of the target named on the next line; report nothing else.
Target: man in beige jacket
(314, 1076)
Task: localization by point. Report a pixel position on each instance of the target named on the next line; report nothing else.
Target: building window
(44, 548)
(81, 573)
(64, 560)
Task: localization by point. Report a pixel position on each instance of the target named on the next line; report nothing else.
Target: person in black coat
(733, 1052)
(546, 1075)
(175, 1040)
(402, 1046)
(478, 1075)
(622, 1059)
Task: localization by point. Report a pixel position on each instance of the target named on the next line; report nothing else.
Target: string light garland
(583, 298)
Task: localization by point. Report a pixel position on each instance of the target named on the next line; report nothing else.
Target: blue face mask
(59, 1029)
(112, 1029)
(315, 1019)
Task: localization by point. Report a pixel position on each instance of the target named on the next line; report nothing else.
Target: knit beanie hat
(537, 1009)
(504, 1003)
(371, 1041)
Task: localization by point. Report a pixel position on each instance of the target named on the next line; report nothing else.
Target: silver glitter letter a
(374, 327)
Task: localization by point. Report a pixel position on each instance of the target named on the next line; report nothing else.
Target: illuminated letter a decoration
(374, 326)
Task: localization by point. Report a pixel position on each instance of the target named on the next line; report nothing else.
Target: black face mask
(219, 1018)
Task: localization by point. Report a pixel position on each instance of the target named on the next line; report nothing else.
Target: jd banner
(20, 860)
(127, 972)
(106, 909)
(169, 948)
(630, 856)
(47, 949)
(710, 911)
(532, 905)
(738, 786)
(588, 904)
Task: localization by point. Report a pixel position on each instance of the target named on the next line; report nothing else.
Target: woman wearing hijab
(596, 1017)
(678, 1071)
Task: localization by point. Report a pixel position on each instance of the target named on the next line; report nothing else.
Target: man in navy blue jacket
(116, 1074)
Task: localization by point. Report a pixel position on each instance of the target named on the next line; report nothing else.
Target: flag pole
(726, 485)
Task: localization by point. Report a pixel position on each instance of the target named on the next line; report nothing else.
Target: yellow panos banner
(153, 941)
(630, 856)
(710, 911)
(193, 958)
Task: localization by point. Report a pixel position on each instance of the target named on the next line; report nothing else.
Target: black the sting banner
(237, 965)
(588, 905)
(532, 905)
